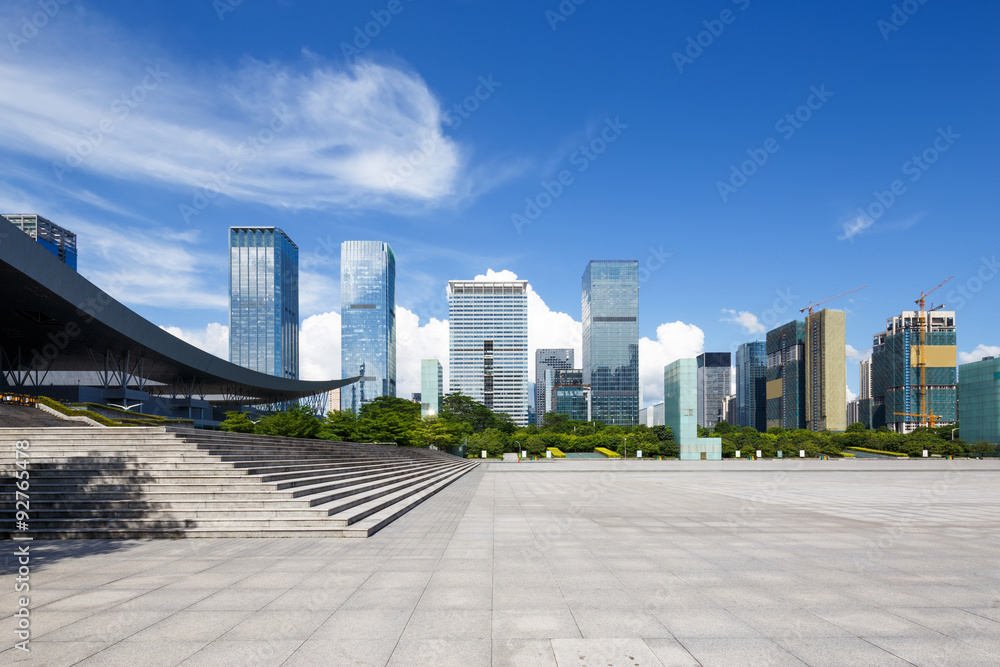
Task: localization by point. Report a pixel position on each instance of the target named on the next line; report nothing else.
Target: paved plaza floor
(583, 563)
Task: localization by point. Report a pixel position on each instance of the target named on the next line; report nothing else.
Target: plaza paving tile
(565, 563)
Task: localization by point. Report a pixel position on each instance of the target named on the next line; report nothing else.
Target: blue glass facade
(264, 301)
(367, 321)
(610, 303)
(751, 385)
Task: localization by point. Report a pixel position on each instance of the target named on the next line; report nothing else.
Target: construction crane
(813, 305)
(931, 419)
(924, 324)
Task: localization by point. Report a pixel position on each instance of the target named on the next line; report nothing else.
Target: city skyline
(189, 149)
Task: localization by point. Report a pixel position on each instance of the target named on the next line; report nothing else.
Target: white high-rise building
(488, 344)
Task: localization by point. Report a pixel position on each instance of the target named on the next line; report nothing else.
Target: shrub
(556, 453)
(607, 452)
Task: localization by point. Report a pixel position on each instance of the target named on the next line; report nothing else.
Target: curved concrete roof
(55, 319)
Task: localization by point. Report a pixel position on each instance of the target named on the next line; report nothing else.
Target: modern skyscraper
(57, 240)
(488, 344)
(853, 414)
(367, 321)
(806, 373)
(979, 401)
(264, 301)
(680, 409)
(865, 398)
(569, 395)
(610, 304)
(905, 351)
(431, 387)
(551, 360)
(826, 371)
(751, 385)
(714, 378)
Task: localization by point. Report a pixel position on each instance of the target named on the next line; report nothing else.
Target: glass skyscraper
(714, 377)
(751, 385)
(431, 387)
(264, 301)
(547, 361)
(610, 302)
(488, 344)
(367, 321)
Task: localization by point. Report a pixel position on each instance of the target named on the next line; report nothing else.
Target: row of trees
(461, 420)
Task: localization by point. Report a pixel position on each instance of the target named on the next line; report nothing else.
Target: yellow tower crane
(924, 323)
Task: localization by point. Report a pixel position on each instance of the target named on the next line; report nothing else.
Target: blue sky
(120, 116)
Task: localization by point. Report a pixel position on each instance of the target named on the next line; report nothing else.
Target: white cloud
(415, 343)
(851, 396)
(326, 134)
(674, 340)
(855, 227)
(979, 353)
(319, 347)
(214, 338)
(745, 319)
(156, 267)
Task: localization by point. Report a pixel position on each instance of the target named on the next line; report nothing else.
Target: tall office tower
(979, 398)
(548, 360)
(913, 371)
(333, 400)
(658, 418)
(714, 378)
(57, 240)
(610, 301)
(431, 387)
(367, 321)
(751, 385)
(853, 414)
(569, 396)
(264, 301)
(826, 371)
(865, 398)
(729, 409)
(680, 410)
(786, 376)
(645, 418)
(488, 344)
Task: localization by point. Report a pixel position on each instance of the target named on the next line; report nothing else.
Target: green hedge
(556, 453)
(70, 412)
(607, 452)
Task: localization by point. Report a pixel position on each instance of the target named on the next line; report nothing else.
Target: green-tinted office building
(979, 401)
(680, 412)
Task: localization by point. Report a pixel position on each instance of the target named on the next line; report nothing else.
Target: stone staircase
(178, 482)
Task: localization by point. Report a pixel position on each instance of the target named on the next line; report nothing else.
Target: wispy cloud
(145, 116)
(750, 322)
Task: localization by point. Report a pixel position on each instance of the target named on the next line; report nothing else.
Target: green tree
(237, 422)
(298, 421)
(340, 425)
(983, 448)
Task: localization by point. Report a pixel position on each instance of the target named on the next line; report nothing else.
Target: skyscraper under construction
(913, 371)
